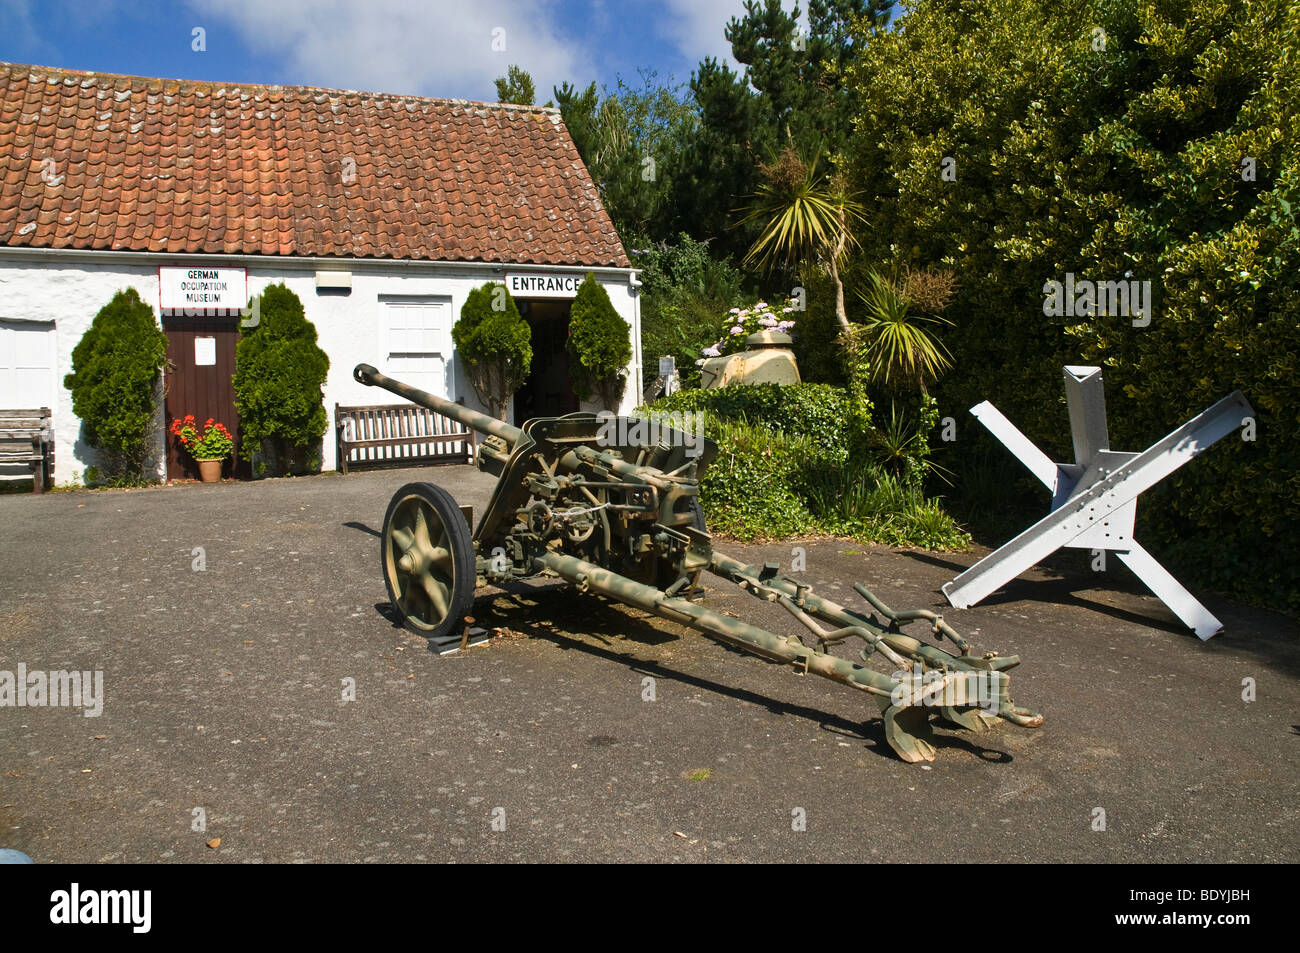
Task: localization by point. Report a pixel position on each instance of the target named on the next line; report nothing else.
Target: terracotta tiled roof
(123, 163)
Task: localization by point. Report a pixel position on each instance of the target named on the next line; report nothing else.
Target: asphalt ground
(224, 717)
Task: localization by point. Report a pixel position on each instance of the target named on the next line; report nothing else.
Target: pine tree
(516, 87)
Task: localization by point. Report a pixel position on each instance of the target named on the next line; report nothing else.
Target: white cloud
(696, 27)
(432, 48)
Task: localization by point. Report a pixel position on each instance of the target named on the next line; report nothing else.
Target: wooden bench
(27, 436)
(399, 435)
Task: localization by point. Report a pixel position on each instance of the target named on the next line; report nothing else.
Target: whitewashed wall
(70, 289)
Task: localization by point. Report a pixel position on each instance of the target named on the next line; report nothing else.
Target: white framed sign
(554, 284)
(198, 289)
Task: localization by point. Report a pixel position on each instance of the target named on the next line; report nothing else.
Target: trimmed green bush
(749, 491)
(495, 344)
(114, 385)
(600, 345)
(279, 375)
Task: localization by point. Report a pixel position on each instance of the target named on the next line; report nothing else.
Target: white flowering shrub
(740, 323)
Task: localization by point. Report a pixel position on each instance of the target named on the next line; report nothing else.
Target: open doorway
(548, 391)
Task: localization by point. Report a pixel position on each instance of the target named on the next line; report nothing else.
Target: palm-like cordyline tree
(892, 345)
(807, 219)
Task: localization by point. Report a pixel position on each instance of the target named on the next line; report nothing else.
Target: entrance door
(200, 381)
(548, 392)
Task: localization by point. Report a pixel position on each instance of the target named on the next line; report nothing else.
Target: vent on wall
(333, 282)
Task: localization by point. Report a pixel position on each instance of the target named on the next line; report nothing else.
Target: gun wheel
(428, 559)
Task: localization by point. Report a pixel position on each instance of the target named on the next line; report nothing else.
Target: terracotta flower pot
(210, 470)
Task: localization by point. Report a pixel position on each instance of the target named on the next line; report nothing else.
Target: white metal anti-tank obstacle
(1094, 499)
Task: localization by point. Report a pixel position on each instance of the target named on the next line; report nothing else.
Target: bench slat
(412, 441)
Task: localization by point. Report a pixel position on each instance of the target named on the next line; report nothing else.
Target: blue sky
(422, 47)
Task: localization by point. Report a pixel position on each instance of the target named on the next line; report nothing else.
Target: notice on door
(202, 290)
(205, 352)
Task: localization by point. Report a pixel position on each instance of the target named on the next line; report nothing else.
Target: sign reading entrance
(552, 285)
(201, 289)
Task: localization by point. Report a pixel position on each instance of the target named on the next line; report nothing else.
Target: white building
(380, 212)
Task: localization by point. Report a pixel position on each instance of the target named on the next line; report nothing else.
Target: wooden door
(200, 381)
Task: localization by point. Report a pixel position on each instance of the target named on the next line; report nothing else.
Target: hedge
(785, 468)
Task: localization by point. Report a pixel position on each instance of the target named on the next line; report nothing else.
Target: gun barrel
(370, 376)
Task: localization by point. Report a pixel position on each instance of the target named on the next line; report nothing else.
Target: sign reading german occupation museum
(555, 284)
(201, 289)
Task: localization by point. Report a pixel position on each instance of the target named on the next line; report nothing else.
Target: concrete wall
(69, 289)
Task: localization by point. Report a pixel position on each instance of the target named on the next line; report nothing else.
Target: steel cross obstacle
(1094, 499)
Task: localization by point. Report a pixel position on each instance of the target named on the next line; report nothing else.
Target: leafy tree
(516, 87)
(684, 292)
(114, 385)
(495, 344)
(599, 346)
(279, 375)
(1018, 141)
(630, 140)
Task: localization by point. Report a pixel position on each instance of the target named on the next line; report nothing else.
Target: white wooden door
(27, 364)
(418, 342)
